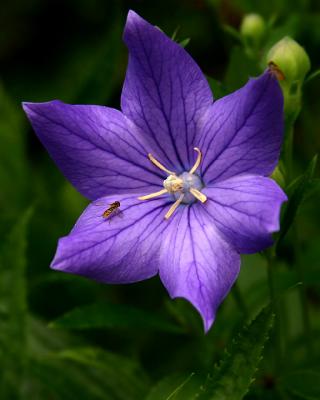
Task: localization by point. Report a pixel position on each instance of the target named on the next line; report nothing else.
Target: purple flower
(190, 173)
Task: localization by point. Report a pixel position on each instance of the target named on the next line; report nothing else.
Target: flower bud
(290, 58)
(252, 29)
(290, 63)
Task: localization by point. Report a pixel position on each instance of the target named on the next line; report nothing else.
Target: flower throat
(186, 187)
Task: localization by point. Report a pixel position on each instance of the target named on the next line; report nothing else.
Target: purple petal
(122, 249)
(164, 93)
(196, 262)
(246, 210)
(242, 132)
(97, 148)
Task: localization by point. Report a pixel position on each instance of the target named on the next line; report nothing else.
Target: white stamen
(152, 195)
(159, 165)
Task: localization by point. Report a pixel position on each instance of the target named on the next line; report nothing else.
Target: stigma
(184, 188)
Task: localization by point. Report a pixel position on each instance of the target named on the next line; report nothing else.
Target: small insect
(114, 208)
(276, 71)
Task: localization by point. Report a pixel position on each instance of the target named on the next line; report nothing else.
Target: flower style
(189, 172)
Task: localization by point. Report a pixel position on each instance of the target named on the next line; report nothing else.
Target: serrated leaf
(233, 376)
(297, 192)
(13, 308)
(106, 316)
(305, 384)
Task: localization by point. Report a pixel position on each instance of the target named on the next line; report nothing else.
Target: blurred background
(65, 337)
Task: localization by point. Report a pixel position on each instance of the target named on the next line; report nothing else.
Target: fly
(114, 208)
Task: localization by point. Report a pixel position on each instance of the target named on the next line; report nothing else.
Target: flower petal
(196, 262)
(97, 148)
(246, 209)
(164, 93)
(242, 132)
(122, 249)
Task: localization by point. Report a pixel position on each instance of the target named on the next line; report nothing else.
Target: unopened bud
(252, 29)
(290, 58)
(289, 62)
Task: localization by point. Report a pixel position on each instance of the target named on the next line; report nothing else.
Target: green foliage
(13, 309)
(106, 316)
(175, 387)
(297, 192)
(235, 373)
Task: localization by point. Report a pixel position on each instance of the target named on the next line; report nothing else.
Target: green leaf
(233, 376)
(52, 378)
(122, 376)
(57, 369)
(13, 308)
(297, 192)
(105, 316)
(175, 387)
(305, 384)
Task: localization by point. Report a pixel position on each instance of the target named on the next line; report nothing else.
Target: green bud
(291, 59)
(252, 29)
(290, 63)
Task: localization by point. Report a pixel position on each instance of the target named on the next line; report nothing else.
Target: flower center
(190, 181)
(185, 188)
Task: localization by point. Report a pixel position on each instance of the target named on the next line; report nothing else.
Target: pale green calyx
(290, 58)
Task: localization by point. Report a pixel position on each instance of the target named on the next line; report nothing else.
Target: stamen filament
(174, 206)
(198, 161)
(159, 165)
(152, 195)
(198, 195)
